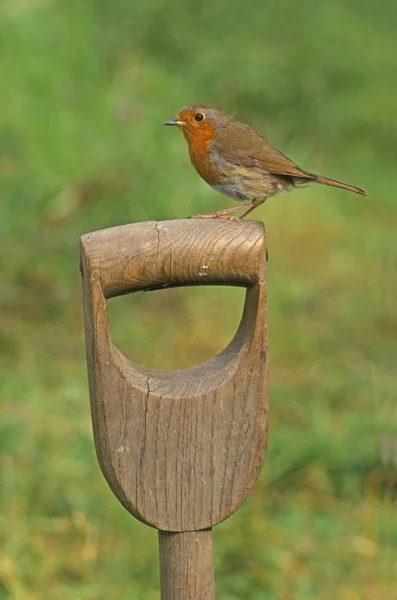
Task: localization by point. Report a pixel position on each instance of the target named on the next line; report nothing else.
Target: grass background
(85, 87)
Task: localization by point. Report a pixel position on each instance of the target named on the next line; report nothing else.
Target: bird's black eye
(199, 117)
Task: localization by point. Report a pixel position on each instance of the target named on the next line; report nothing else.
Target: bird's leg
(254, 204)
(222, 214)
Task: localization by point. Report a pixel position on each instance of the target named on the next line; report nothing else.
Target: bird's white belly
(231, 189)
(247, 186)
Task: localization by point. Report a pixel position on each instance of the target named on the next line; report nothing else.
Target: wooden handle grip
(153, 255)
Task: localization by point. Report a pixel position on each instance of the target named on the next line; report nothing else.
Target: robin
(238, 162)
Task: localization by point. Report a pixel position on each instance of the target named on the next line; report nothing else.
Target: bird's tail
(339, 184)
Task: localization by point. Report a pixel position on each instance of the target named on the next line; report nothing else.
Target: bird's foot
(216, 215)
(229, 218)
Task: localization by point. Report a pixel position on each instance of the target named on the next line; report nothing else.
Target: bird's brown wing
(242, 146)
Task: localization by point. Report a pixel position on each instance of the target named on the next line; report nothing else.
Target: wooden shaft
(186, 565)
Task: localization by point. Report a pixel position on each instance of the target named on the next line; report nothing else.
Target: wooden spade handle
(180, 449)
(151, 255)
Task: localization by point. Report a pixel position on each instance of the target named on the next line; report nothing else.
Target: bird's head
(200, 123)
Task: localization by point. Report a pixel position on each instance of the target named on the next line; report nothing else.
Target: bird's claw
(229, 218)
(215, 216)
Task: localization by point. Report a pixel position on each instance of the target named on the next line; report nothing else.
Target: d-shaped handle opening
(175, 328)
(209, 375)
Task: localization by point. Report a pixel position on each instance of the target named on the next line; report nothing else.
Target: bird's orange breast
(199, 149)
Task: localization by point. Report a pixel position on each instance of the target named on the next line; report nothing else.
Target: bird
(238, 162)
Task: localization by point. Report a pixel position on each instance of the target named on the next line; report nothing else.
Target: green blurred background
(85, 88)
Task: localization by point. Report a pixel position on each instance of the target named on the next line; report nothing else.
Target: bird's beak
(176, 122)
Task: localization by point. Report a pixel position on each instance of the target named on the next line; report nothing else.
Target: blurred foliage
(85, 87)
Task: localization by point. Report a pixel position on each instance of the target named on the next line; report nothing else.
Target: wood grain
(180, 449)
(186, 565)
